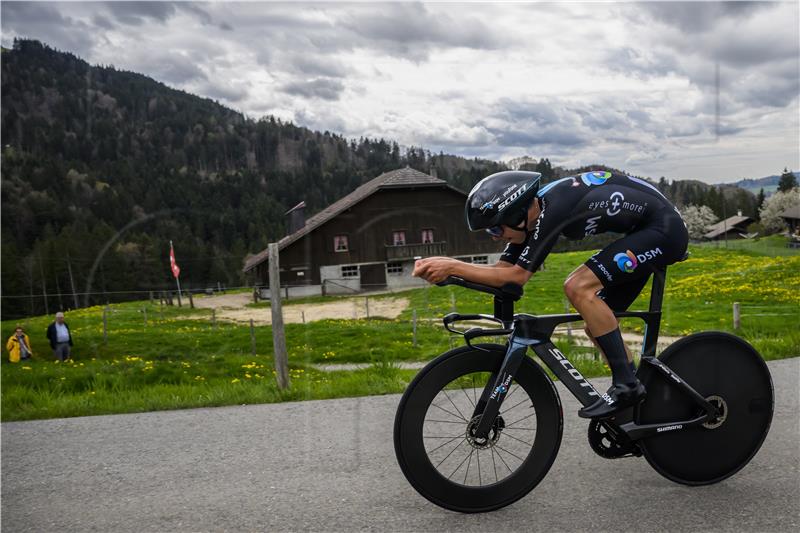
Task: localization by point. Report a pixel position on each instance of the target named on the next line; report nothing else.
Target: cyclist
(512, 208)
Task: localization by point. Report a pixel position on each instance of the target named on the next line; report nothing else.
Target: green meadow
(179, 359)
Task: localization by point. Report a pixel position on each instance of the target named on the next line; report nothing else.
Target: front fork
(498, 384)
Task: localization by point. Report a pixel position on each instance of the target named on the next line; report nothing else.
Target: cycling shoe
(616, 399)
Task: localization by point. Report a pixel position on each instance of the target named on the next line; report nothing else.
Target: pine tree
(787, 182)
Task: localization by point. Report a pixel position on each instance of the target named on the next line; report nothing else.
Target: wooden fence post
(214, 319)
(737, 317)
(252, 337)
(366, 304)
(278, 333)
(144, 312)
(191, 300)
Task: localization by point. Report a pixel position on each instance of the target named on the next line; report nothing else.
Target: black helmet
(502, 198)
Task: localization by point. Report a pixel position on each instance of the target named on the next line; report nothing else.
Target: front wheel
(730, 374)
(441, 457)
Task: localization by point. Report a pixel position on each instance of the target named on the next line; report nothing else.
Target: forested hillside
(100, 160)
(101, 168)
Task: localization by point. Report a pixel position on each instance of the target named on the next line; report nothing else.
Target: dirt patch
(231, 307)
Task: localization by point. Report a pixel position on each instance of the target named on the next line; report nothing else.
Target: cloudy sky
(700, 90)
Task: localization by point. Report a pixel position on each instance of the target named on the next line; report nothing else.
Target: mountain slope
(101, 168)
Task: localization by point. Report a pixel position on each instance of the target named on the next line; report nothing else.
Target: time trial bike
(480, 426)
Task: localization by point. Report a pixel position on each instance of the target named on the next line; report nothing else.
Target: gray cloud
(44, 21)
(222, 91)
(536, 138)
(136, 13)
(322, 88)
(409, 29)
(174, 69)
(311, 66)
(102, 22)
(694, 17)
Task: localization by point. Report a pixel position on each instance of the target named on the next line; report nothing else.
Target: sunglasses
(495, 231)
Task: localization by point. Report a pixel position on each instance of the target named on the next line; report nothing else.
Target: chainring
(607, 442)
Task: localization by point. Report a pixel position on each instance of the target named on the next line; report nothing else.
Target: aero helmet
(502, 198)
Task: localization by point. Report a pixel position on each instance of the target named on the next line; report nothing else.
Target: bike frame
(535, 331)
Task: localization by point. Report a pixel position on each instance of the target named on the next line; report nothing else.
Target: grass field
(177, 362)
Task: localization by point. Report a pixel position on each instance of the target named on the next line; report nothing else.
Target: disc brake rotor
(722, 408)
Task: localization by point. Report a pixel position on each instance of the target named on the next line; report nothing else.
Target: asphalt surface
(330, 466)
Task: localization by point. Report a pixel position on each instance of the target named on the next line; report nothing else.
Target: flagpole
(177, 278)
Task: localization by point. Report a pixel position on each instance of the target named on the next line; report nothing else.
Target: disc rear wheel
(731, 375)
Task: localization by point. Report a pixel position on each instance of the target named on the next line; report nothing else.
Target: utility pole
(44, 285)
(72, 281)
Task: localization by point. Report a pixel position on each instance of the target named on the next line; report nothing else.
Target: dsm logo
(595, 178)
(626, 262)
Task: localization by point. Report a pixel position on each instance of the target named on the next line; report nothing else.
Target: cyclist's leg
(614, 277)
(583, 288)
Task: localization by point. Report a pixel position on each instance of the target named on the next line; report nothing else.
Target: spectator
(60, 338)
(19, 346)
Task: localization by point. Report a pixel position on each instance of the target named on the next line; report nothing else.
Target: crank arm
(637, 432)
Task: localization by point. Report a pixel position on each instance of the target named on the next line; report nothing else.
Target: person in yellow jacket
(19, 346)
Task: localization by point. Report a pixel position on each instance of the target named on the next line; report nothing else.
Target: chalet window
(350, 271)
(394, 268)
(340, 243)
(427, 236)
(480, 260)
(399, 238)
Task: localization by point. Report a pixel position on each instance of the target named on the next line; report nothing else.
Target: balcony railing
(410, 251)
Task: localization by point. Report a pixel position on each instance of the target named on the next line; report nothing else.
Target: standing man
(60, 338)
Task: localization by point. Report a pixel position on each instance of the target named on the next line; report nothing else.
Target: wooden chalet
(369, 239)
(734, 227)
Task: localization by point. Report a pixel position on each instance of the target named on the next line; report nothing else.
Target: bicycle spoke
(494, 465)
(513, 406)
(461, 463)
(449, 454)
(454, 405)
(520, 420)
(474, 393)
(508, 452)
(445, 437)
(518, 429)
(445, 444)
(504, 461)
(478, 459)
(510, 394)
(468, 398)
(449, 412)
(466, 474)
(445, 421)
(522, 441)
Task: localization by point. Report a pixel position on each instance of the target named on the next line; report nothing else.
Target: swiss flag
(176, 270)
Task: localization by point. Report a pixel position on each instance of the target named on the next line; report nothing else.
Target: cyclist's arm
(492, 275)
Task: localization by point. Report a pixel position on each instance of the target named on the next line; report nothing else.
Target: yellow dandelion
(235, 380)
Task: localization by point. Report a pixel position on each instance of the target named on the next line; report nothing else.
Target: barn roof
(734, 223)
(792, 212)
(396, 179)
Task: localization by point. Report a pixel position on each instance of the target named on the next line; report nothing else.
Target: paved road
(330, 466)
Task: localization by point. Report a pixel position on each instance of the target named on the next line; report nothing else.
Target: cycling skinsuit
(599, 202)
